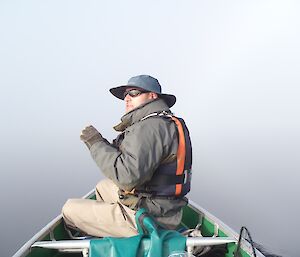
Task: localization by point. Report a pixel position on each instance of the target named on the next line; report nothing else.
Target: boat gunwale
(246, 246)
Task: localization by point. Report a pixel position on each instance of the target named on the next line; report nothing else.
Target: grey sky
(233, 65)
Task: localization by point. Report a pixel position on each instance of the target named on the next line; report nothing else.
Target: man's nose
(127, 98)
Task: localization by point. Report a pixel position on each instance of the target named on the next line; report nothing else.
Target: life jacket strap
(167, 179)
(180, 154)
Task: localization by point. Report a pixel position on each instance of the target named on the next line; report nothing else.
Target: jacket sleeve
(144, 146)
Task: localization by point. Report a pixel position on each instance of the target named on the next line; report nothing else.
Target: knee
(67, 208)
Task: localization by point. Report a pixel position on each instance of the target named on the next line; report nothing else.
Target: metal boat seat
(83, 246)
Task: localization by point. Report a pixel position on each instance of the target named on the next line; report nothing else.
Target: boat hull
(193, 215)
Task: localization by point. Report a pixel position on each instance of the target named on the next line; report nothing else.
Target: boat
(203, 234)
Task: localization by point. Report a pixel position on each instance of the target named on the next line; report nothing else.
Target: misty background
(233, 65)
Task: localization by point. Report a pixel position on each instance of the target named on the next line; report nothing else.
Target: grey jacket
(133, 158)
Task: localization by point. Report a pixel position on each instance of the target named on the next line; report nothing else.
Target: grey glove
(90, 135)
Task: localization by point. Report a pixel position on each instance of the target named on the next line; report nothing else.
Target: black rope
(240, 241)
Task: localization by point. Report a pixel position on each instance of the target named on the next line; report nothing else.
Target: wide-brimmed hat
(145, 83)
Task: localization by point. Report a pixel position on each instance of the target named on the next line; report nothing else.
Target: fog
(234, 67)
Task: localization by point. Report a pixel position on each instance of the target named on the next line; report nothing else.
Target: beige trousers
(104, 217)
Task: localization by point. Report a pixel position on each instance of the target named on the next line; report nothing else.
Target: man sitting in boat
(147, 166)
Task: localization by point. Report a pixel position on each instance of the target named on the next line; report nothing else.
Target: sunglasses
(134, 92)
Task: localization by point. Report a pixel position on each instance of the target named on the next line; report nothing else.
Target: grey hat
(146, 83)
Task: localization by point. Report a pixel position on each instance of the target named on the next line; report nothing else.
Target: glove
(90, 135)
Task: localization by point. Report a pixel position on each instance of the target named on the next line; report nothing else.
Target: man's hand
(90, 135)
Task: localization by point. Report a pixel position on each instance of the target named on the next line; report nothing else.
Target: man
(147, 166)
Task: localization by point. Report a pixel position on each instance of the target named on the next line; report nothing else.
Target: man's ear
(153, 95)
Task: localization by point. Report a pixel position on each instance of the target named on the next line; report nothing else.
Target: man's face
(132, 102)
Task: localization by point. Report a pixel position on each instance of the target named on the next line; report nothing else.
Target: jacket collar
(140, 112)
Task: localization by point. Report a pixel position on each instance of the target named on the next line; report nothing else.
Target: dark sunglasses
(134, 92)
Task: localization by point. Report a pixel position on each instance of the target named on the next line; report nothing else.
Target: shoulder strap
(180, 153)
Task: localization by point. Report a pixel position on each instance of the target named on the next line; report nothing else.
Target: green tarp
(152, 241)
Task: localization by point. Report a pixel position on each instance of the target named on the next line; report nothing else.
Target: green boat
(200, 234)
